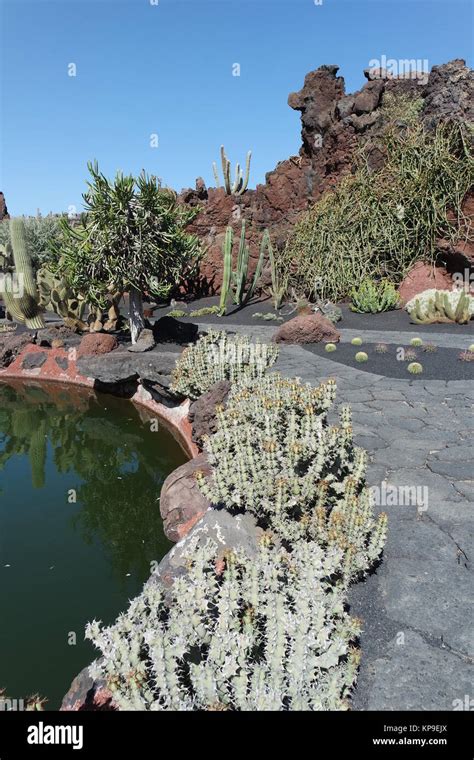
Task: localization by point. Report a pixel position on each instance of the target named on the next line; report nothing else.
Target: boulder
(12, 345)
(202, 412)
(181, 501)
(34, 360)
(144, 343)
(121, 366)
(307, 328)
(96, 344)
(422, 277)
(171, 330)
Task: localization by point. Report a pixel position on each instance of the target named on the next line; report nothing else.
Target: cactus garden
(236, 455)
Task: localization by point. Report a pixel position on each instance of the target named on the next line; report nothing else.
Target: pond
(80, 478)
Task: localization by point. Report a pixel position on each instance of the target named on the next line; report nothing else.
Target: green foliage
(22, 301)
(433, 306)
(239, 186)
(379, 223)
(132, 238)
(268, 317)
(42, 233)
(235, 281)
(204, 311)
(275, 455)
(216, 356)
(374, 296)
(266, 633)
(56, 295)
(176, 313)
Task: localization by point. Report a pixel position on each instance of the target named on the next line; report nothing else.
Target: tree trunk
(137, 322)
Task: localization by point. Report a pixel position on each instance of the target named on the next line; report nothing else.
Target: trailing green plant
(275, 455)
(373, 296)
(204, 311)
(235, 281)
(361, 357)
(132, 240)
(433, 306)
(239, 186)
(216, 356)
(267, 632)
(415, 368)
(380, 223)
(18, 284)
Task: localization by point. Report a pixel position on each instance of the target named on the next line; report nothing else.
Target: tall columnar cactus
(24, 305)
(236, 633)
(433, 306)
(216, 356)
(239, 186)
(238, 278)
(275, 455)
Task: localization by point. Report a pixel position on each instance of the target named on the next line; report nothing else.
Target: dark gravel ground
(444, 364)
(397, 319)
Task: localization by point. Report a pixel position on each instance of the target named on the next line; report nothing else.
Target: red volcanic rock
(423, 277)
(459, 254)
(307, 328)
(202, 412)
(94, 344)
(181, 501)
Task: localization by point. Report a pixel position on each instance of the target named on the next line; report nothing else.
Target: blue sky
(166, 69)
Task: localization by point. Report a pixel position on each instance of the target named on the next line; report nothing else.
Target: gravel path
(417, 607)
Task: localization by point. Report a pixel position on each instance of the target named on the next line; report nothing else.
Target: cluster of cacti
(275, 455)
(466, 356)
(409, 355)
(55, 295)
(434, 306)
(235, 281)
(373, 296)
(239, 186)
(22, 302)
(216, 356)
(236, 633)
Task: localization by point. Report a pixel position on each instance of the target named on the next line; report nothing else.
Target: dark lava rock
(144, 343)
(171, 330)
(13, 345)
(50, 336)
(121, 366)
(62, 362)
(34, 361)
(202, 412)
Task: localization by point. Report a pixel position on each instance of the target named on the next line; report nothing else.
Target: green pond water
(65, 562)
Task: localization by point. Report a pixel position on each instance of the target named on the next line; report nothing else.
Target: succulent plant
(415, 368)
(239, 186)
(56, 295)
(466, 356)
(330, 347)
(204, 311)
(235, 633)
(471, 347)
(176, 313)
(373, 296)
(216, 356)
(416, 342)
(23, 306)
(409, 355)
(361, 357)
(381, 348)
(356, 341)
(433, 306)
(429, 348)
(236, 281)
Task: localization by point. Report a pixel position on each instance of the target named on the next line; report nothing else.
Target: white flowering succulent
(275, 455)
(270, 633)
(217, 356)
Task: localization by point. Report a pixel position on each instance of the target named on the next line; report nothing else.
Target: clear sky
(166, 69)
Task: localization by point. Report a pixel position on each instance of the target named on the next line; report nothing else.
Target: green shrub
(380, 223)
(373, 297)
(216, 356)
(267, 633)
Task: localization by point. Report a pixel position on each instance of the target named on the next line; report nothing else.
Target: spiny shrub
(275, 455)
(270, 633)
(362, 227)
(373, 296)
(216, 356)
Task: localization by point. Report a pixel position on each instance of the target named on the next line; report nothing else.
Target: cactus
(439, 306)
(381, 348)
(416, 342)
(216, 356)
(55, 294)
(239, 186)
(356, 341)
(236, 633)
(409, 355)
(373, 296)
(330, 347)
(415, 368)
(238, 278)
(361, 357)
(275, 455)
(24, 308)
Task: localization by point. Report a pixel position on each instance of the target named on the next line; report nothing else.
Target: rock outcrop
(307, 328)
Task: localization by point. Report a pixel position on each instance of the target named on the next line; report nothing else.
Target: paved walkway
(417, 608)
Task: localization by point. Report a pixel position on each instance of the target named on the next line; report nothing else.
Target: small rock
(34, 361)
(95, 344)
(307, 328)
(202, 412)
(144, 343)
